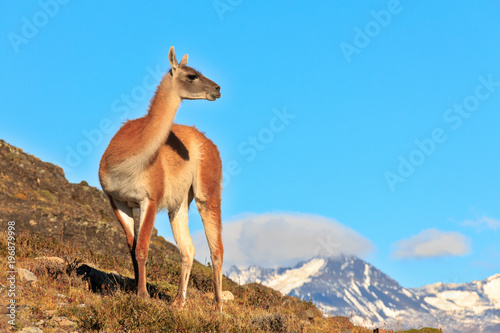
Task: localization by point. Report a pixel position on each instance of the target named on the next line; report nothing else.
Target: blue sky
(370, 124)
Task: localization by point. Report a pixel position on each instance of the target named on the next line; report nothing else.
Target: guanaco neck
(160, 118)
(156, 124)
(162, 110)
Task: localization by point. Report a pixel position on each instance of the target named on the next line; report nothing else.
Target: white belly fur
(127, 184)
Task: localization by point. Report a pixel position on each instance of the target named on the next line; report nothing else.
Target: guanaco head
(188, 82)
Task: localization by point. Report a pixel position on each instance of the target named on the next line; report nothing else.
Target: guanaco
(152, 164)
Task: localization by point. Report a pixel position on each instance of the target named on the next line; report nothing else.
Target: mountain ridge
(349, 286)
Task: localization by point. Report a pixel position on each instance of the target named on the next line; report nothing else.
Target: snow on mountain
(347, 285)
(475, 305)
(492, 290)
(295, 278)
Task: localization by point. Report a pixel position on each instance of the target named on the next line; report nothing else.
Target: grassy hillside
(61, 293)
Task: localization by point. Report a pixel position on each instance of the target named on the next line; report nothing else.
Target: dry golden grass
(63, 294)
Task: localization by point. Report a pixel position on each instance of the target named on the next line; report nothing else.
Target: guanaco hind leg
(207, 194)
(211, 218)
(146, 223)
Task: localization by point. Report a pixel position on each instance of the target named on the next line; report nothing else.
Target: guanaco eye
(192, 77)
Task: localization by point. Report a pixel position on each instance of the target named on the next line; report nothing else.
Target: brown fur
(153, 164)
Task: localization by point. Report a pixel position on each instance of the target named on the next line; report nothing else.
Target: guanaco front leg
(125, 216)
(180, 230)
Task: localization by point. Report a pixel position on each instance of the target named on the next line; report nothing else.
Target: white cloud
(433, 243)
(482, 223)
(272, 240)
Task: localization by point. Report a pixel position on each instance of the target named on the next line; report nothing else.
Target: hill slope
(37, 196)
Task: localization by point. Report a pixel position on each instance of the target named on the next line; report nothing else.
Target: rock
(25, 275)
(306, 315)
(49, 313)
(275, 322)
(21, 196)
(227, 296)
(63, 322)
(58, 330)
(31, 330)
(53, 266)
(52, 260)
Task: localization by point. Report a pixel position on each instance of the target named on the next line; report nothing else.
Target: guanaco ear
(184, 60)
(171, 58)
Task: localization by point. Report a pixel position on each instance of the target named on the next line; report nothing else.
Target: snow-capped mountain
(471, 307)
(349, 286)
